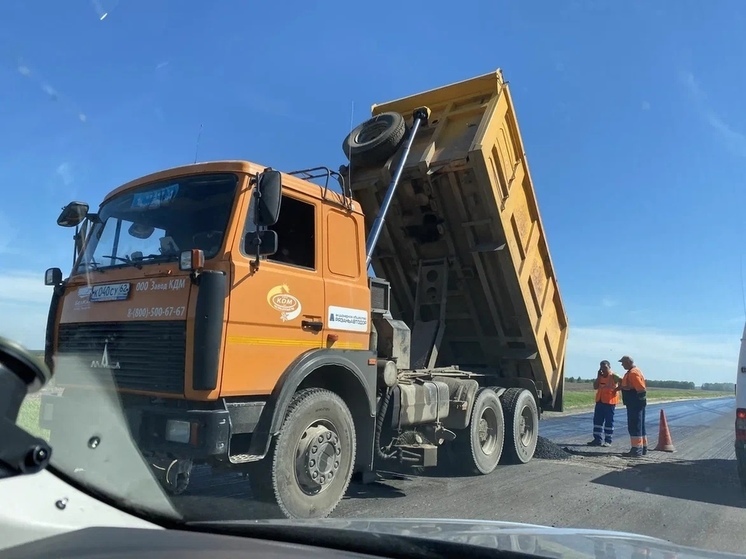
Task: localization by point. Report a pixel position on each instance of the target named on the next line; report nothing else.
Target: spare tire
(375, 140)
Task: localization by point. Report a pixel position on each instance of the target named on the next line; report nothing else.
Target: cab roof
(231, 166)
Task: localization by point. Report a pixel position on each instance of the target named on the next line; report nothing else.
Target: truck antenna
(196, 149)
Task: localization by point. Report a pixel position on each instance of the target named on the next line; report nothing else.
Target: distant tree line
(680, 384)
(718, 386)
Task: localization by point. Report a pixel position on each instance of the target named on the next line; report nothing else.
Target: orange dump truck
(232, 307)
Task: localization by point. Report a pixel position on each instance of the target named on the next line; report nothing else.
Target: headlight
(178, 431)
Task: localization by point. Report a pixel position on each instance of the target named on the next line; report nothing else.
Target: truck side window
(296, 230)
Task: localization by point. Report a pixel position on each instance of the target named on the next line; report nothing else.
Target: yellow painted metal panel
(467, 172)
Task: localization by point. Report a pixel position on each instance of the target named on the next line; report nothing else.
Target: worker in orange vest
(606, 384)
(634, 397)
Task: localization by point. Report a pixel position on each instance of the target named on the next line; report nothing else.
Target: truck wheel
(741, 468)
(375, 140)
(486, 431)
(482, 439)
(174, 474)
(178, 475)
(314, 455)
(523, 425)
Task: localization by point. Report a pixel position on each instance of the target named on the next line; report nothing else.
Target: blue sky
(632, 115)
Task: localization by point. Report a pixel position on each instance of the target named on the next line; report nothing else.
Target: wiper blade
(93, 264)
(124, 259)
(137, 262)
(155, 257)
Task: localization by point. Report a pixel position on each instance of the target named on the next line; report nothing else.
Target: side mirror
(261, 243)
(73, 214)
(268, 195)
(20, 374)
(53, 276)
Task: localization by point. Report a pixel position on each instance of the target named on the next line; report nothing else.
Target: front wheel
(174, 474)
(522, 432)
(313, 456)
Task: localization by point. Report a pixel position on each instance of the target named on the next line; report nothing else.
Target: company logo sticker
(352, 320)
(105, 362)
(280, 299)
(82, 303)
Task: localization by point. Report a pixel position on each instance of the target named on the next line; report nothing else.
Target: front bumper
(172, 429)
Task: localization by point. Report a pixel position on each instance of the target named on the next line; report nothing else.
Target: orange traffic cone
(664, 436)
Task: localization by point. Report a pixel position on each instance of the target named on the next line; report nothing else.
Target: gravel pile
(547, 450)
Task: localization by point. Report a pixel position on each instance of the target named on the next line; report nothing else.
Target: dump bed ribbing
(464, 224)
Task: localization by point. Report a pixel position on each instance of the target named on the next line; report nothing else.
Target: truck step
(243, 458)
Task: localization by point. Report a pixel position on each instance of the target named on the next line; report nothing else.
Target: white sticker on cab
(343, 318)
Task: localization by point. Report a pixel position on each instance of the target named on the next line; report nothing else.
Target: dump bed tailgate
(466, 206)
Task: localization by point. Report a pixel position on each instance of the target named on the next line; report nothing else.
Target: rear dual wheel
(515, 420)
(477, 449)
(522, 432)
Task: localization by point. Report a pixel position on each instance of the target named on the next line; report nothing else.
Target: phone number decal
(155, 312)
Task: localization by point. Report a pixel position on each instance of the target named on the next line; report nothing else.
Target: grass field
(577, 395)
(28, 417)
(581, 394)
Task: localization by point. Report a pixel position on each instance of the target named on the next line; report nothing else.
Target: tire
(483, 439)
(375, 140)
(314, 415)
(742, 475)
(741, 467)
(173, 474)
(178, 476)
(522, 425)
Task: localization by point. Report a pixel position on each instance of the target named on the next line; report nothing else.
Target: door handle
(313, 325)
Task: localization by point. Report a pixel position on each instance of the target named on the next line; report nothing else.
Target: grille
(150, 355)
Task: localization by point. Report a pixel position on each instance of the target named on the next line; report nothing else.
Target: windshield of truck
(466, 260)
(156, 222)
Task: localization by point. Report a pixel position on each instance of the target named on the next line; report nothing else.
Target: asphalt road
(690, 497)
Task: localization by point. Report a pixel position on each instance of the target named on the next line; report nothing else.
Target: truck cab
(197, 306)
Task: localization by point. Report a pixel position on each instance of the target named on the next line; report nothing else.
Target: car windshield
(300, 275)
(158, 221)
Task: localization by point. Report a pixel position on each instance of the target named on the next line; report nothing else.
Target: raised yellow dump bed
(466, 206)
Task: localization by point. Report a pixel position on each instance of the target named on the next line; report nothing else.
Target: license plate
(110, 292)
